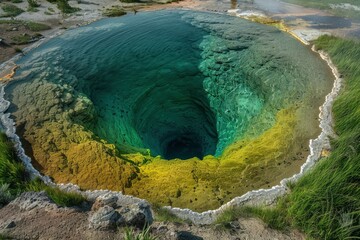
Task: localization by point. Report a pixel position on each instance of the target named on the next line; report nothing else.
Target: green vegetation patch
(12, 171)
(61, 198)
(4, 237)
(32, 26)
(131, 234)
(36, 27)
(326, 202)
(11, 10)
(26, 38)
(64, 6)
(164, 215)
(273, 217)
(33, 3)
(116, 11)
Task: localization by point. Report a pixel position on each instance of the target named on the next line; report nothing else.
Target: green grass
(4, 237)
(22, 39)
(32, 26)
(273, 217)
(5, 195)
(12, 171)
(16, 1)
(325, 203)
(131, 234)
(61, 198)
(116, 11)
(64, 6)
(164, 215)
(33, 3)
(11, 10)
(36, 27)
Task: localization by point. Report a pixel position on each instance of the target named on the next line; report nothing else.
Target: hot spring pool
(182, 108)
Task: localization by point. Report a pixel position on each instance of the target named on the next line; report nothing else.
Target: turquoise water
(173, 83)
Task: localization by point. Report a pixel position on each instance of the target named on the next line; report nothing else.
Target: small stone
(103, 200)
(183, 235)
(11, 225)
(162, 228)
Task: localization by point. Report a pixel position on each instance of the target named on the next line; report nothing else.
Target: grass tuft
(273, 217)
(12, 171)
(131, 234)
(5, 195)
(164, 215)
(61, 198)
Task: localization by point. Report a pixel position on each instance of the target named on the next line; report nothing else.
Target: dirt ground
(72, 223)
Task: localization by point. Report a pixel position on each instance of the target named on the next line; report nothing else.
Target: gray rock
(108, 212)
(137, 215)
(105, 218)
(183, 235)
(10, 225)
(30, 200)
(107, 199)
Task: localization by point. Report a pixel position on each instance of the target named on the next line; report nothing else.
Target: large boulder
(105, 218)
(109, 212)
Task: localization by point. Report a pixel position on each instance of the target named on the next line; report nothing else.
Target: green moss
(11, 10)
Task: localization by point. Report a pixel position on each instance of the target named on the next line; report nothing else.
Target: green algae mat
(182, 108)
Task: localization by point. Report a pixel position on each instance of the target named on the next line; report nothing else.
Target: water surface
(182, 108)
